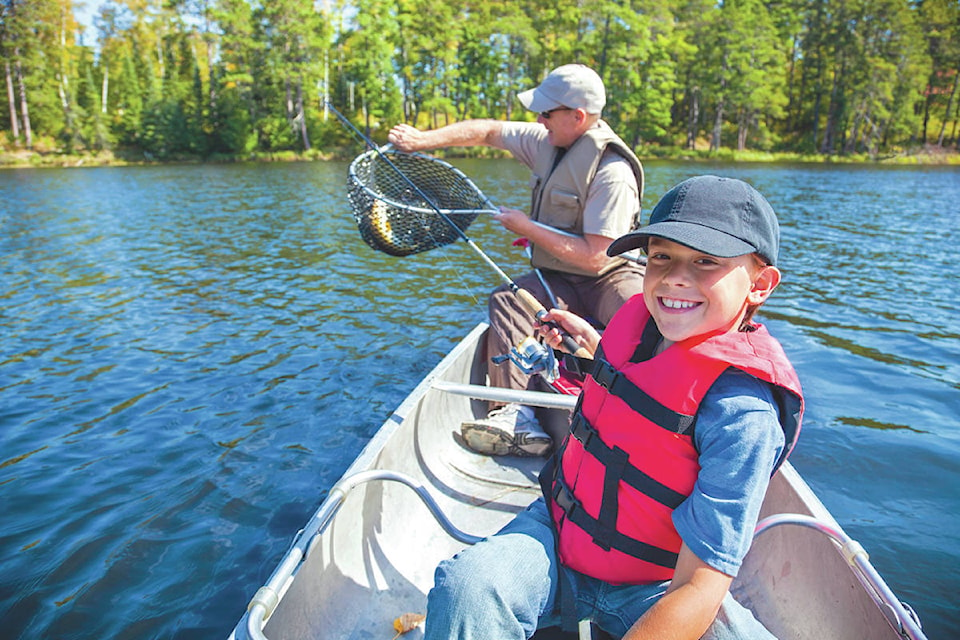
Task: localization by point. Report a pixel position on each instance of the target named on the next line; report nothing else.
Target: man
(587, 185)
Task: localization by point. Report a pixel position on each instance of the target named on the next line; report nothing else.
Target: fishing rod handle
(538, 310)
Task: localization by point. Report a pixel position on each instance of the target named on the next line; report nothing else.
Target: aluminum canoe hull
(375, 557)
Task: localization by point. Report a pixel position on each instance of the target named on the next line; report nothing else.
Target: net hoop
(397, 200)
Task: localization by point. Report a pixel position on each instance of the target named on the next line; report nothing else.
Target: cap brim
(696, 236)
(534, 100)
(627, 243)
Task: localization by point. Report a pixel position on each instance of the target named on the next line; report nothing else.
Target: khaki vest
(560, 192)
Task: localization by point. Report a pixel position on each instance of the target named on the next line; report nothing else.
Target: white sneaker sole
(491, 441)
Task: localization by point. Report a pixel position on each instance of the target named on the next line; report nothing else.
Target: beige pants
(596, 299)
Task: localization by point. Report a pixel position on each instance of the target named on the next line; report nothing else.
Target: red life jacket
(630, 458)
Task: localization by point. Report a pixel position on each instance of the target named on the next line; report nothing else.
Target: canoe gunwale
(901, 618)
(268, 596)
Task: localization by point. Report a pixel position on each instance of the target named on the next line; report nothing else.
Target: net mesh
(393, 217)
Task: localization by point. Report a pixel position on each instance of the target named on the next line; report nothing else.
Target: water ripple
(191, 356)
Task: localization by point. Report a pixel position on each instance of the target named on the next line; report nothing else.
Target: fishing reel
(532, 357)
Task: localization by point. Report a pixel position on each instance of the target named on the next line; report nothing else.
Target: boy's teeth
(678, 304)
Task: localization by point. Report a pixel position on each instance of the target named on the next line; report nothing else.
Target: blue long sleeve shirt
(739, 439)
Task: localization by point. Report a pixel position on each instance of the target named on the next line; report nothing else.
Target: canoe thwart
(349, 483)
(499, 394)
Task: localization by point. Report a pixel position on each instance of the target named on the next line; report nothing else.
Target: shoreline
(927, 156)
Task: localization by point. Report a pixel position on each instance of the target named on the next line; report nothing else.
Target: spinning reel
(532, 357)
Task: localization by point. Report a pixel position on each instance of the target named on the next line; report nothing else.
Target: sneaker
(512, 430)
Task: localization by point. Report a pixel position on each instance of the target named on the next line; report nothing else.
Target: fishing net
(395, 199)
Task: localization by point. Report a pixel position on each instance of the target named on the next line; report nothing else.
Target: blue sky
(84, 10)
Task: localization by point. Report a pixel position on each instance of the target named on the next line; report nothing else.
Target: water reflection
(874, 424)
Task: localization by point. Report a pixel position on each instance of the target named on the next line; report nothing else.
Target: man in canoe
(650, 504)
(587, 183)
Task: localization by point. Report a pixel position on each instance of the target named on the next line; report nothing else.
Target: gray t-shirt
(612, 200)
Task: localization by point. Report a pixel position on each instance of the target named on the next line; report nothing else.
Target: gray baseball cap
(572, 85)
(723, 217)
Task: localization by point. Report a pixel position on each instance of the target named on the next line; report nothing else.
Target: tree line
(169, 79)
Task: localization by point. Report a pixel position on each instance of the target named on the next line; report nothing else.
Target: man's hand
(406, 138)
(513, 220)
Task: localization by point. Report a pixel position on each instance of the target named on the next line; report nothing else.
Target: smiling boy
(650, 503)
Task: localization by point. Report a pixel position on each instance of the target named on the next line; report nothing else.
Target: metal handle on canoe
(268, 596)
(341, 489)
(897, 613)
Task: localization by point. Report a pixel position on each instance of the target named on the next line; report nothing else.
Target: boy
(651, 502)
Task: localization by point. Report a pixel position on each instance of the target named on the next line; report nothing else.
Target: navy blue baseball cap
(723, 217)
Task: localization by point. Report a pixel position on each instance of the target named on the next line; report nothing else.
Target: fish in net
(406, 203)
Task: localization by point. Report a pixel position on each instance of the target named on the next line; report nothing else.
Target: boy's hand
(582, 331)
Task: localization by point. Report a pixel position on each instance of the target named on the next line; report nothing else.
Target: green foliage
(233, 131)
(274, 134)
(128, 111)
(164, 80)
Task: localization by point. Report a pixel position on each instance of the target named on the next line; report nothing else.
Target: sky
(84, 11)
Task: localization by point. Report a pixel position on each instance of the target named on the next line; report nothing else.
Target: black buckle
(565, 499)
(605, 374)
(581, 429)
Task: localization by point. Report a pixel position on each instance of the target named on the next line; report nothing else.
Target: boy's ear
(763, 285)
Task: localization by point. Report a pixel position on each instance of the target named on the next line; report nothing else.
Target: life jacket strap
(576, 365)
(607, 376)
(611, 539)
(585, 432)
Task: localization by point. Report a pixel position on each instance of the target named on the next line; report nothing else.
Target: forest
(157, 80)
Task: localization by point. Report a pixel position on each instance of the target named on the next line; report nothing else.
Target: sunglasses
(546, 114)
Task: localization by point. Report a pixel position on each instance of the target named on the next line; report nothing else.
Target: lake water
(190, 356)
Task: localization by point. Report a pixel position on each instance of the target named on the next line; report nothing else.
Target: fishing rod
(525, 297)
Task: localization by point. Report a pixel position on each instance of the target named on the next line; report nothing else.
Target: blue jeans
(506, 587)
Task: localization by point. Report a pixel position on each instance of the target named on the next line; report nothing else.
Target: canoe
(415, 495)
